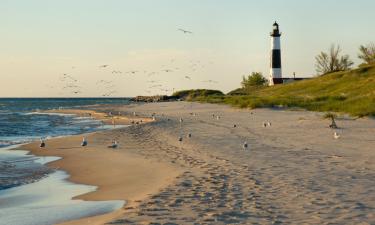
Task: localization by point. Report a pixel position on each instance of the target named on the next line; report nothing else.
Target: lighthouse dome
(275, 31)
(275, 26)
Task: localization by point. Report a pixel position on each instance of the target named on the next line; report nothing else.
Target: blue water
(22, 122)
(27, 186)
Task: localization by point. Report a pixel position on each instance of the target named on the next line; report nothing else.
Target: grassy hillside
(350, 92)
(197, 93)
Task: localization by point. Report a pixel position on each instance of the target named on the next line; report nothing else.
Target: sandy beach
(293, 171)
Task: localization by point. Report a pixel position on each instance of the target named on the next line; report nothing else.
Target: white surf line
(50, 197)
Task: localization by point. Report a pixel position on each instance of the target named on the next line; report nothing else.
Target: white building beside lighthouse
(275, 71)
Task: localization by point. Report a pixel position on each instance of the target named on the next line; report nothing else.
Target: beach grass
(351, 92)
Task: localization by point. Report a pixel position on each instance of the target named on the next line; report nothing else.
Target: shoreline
(294, 171)
(135, 175)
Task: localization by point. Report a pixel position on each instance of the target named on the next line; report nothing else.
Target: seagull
(210, 81)
(84, 142)
(269, 124)
(114, 144)
(181, 120)
(234, 126)
(66, 76)
(264, 124)
(245, 146)
(42, 143)
(185, 31)
(217, 117)
(336, 135)
(187, 77)
(180, 139)
(104, 66)
(189, 135)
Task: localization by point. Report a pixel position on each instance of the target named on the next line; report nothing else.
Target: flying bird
(152, 81)
(210, 81)
(187, 77)
(104, 66)
(66, 76)
(185, 31)
(132, 72)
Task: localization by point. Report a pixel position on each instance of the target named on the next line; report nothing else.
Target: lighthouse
(275, 72)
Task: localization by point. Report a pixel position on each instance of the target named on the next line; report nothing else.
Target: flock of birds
(84, 143)
(109, 87)
(245, 145)
(114, 144)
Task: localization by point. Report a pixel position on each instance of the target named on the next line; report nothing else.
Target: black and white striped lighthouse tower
(275, 73)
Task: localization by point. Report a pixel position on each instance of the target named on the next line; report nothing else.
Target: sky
(56, 48)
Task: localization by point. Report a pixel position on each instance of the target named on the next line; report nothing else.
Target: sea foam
(49, 201)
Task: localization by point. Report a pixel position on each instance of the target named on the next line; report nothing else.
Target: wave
(47, 113)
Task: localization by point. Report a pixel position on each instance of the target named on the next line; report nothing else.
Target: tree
(367, 53)
(255, 79)
(332, 61)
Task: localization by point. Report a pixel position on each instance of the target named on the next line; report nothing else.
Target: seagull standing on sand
(189, 135)
(269, 124)
(180, 139)
(42, 143)
(114, 144)
(84, 142)
(336, 135)
(264, 124)
(245, 146)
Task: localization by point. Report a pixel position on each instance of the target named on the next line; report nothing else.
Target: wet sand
(294, 171)
(118, 174)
